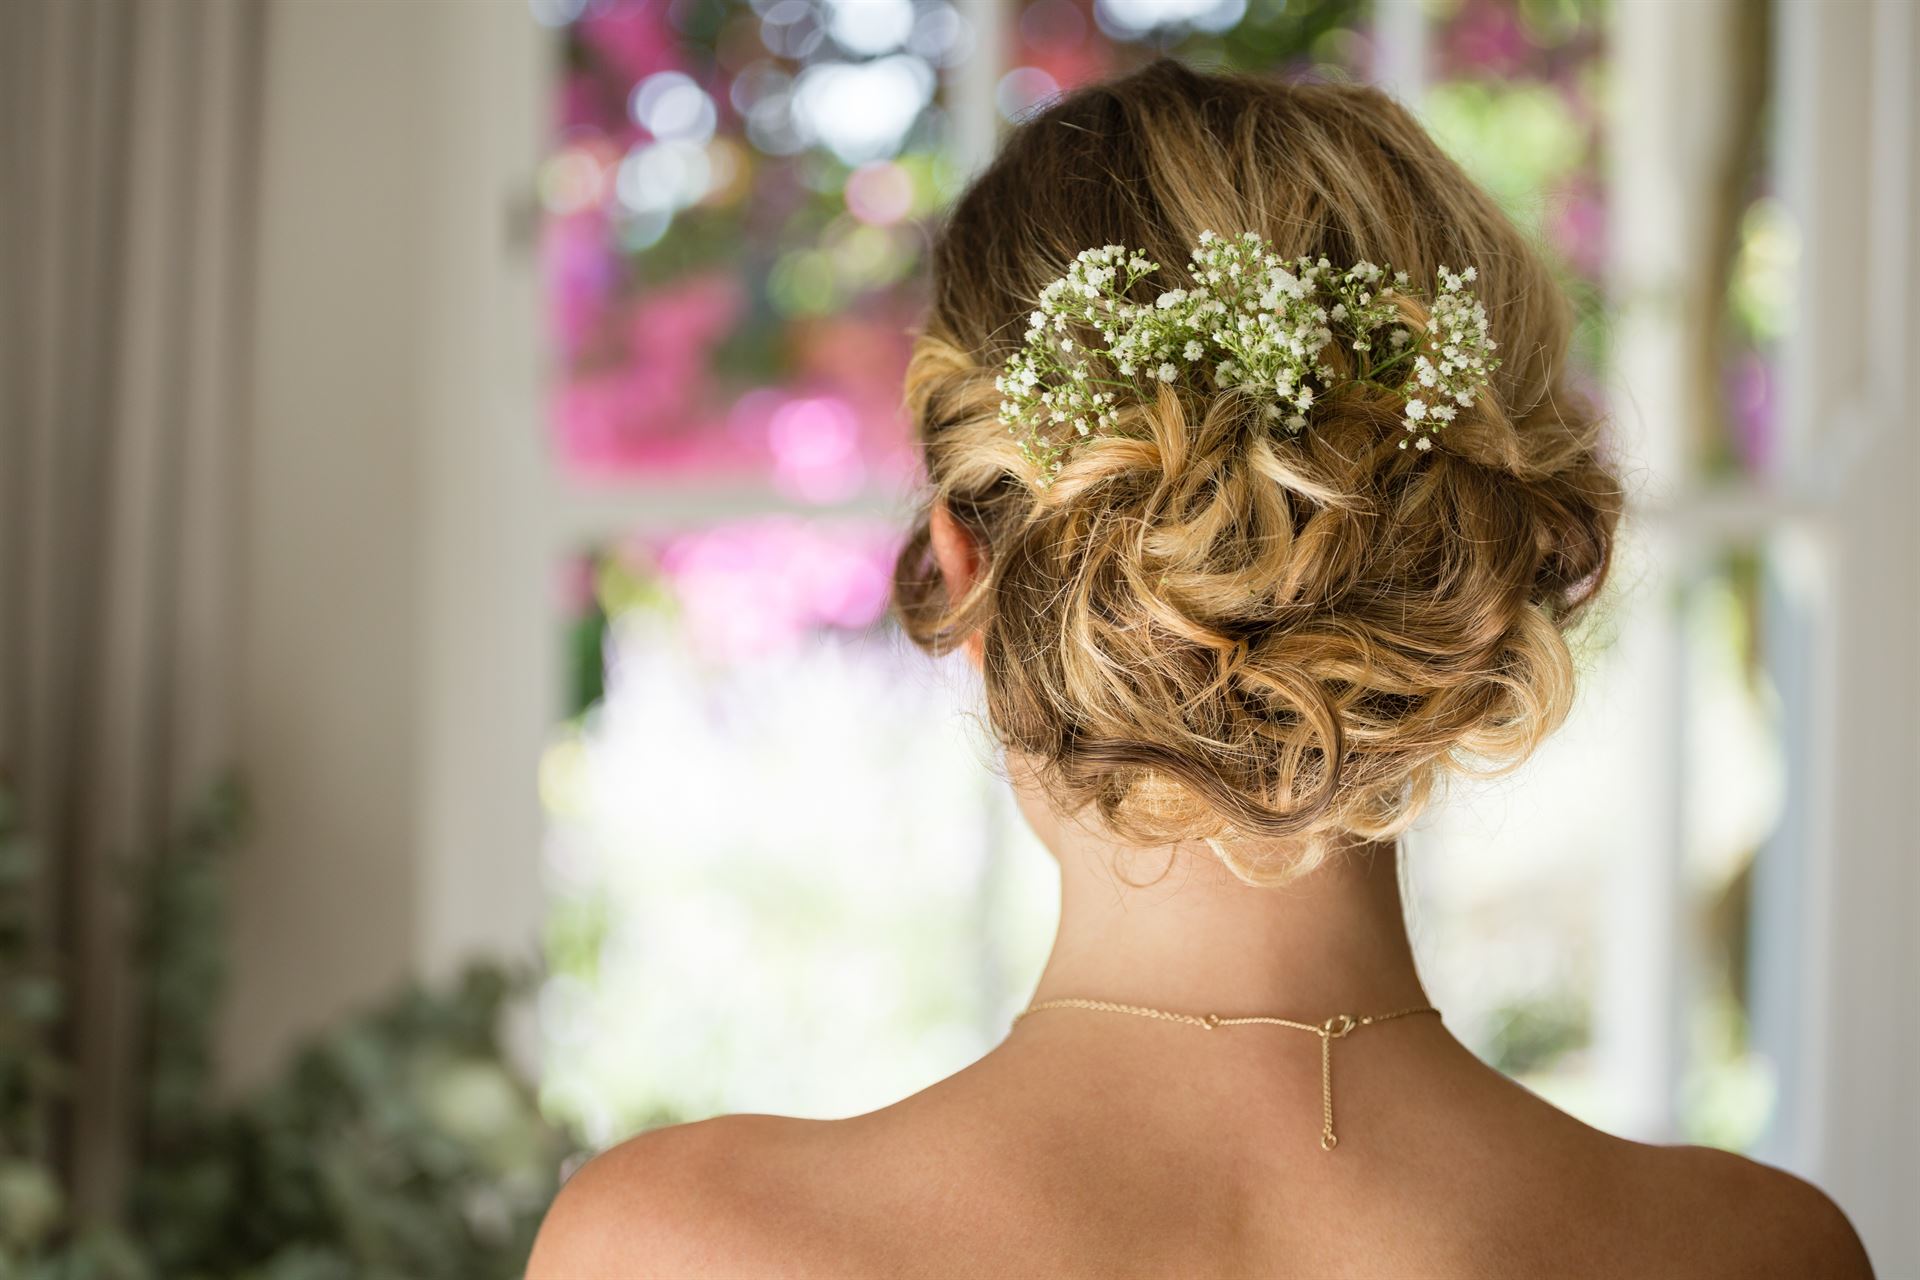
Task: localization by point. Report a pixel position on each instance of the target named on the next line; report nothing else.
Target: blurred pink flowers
(753, 586)
(650, 402)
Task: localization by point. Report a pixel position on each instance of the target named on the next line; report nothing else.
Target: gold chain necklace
(1334, 1028)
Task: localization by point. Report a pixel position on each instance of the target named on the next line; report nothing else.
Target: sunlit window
(783, 874)
(782, 880)
(732, 244)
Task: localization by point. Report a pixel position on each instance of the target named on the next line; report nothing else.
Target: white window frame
(1840, 894)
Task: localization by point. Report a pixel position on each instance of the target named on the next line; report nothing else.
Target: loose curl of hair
(1207, 629)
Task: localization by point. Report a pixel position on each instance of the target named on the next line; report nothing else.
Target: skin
(1096, 1144)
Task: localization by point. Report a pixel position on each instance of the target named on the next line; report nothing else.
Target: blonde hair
(1206, 629)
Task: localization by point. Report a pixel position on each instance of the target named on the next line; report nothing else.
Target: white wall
(397, 674)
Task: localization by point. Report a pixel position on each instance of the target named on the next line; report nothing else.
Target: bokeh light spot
(870, 27)
(816, 449)
(1024, 90)
(671, 107)
(880, 193)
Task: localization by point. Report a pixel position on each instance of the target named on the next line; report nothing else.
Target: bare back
(1056, 1157)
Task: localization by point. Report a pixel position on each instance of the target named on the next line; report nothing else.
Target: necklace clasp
(1338, 1025)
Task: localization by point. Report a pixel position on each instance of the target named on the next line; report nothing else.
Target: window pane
(784, 877)
(731, 246)
(1735, 809)
(1515, 872)
(784, 880)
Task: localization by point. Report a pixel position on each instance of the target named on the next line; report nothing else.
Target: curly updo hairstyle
(1206, 628)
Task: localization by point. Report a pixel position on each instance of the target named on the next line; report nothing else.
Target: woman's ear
(958, 555)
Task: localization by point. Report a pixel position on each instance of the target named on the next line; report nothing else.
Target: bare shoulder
(707, 1198)
(1765, 1220)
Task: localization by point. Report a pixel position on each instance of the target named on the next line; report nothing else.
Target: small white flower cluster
(1051, 382)
(1257, 323)
(1454, 362)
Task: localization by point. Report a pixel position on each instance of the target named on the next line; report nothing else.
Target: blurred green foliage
(399, 1145)
(1532, 1034)
(1273, 35)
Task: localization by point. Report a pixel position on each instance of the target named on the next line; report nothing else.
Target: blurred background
(450, 460)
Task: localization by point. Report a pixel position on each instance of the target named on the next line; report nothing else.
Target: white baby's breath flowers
(1457, 357)
(1254, 323)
